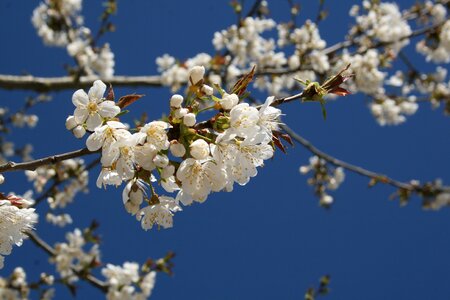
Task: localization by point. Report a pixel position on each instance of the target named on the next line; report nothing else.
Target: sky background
(269, 239)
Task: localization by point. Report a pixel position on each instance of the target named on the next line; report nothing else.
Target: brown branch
(353, 168)
(33, 164)
(337, 162)
(45, 84)
(39, 242)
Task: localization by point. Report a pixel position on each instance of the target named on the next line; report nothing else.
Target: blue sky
(269, 239)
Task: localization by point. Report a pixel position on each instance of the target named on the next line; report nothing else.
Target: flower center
(92, 107)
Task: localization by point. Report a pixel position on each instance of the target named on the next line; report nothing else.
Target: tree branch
(46, 84)
(94, 281)
(353, 168)
(33, 164)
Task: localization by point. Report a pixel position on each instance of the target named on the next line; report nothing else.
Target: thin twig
(39, 242)
(337, 162)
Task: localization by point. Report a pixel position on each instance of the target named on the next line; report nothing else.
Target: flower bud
(79, 131)
(196, 74)
(199, 149)
(222, 123)
(189, 119)
(304, 169)
(161, 161)
(177, 149)
(31, 120)
(176, 101)
(180, 112)
(71, 123)
(207, 90)
(326, 199)
(167, 171)
(229, 101)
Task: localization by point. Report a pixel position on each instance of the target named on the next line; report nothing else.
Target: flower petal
(93, 121)
(80, 98)
(80, 115)
(97, 91)
(95, 141)
(108, 109)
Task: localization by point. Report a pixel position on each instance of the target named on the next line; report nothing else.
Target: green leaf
(123, 112)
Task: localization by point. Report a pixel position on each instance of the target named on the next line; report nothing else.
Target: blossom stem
(205, 138)
(206, 108)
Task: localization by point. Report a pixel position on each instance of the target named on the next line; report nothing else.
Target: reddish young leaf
(339, 91)
(287, 138)
(110, 96)
(128, 100)
(276, 142)
(241, 85)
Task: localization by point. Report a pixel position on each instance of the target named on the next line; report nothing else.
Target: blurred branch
(45, 84)
(94, 281)
(356, 169)
(33, 164)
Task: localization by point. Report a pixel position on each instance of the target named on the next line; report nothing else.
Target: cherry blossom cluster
(380, 32)
(128, 281)
(81, 254)
(381, 21)
(184, 156)
(16, 287)
(60, 23)
(73, 174)
(323, 178)
(71, 257)
(16, 218)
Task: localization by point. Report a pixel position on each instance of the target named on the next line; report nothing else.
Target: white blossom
(92, 108)
(160, 213)
(15, 220)
(199, 178)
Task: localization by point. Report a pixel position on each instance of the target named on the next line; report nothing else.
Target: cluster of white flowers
(212, 159)
(384, 22)
(323, 178)
(72, 173)
(306, 40)
(122, 282)
(176, 74)
(392, 112)
(243, 47)
(15, 287)
(15, 220)
(59, 23)
(58, 220)
(367, 76)
(71, 256)
(20, 120)
(51, 19)
(439, 53)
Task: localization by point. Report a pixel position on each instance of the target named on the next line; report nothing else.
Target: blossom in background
(127, 282)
